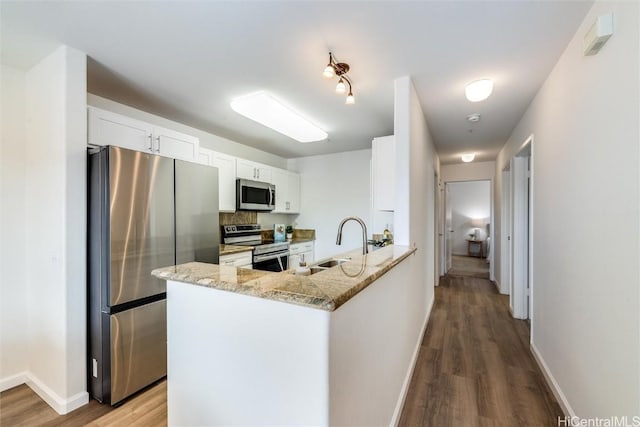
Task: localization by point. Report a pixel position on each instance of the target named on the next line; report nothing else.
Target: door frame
(446, 250)
(505, 234)
(522, 179)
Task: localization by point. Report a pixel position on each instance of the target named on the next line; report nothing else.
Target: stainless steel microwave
(255, 195)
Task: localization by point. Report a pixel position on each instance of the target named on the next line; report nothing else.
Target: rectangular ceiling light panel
(266, 110)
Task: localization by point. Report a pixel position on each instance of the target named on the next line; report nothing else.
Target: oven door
(272, 262)
(255, 195)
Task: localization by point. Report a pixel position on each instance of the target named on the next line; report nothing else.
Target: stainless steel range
(267, 255)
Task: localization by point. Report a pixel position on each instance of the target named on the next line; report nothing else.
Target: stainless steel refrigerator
(145, 212)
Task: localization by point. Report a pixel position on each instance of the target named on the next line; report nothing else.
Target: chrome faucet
(365, 248)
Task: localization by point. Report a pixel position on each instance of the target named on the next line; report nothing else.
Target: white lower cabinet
(240, 260)
(297, 250)
(107, 128)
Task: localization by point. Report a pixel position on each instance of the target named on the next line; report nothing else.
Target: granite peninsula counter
(248, 347)
(326, 290)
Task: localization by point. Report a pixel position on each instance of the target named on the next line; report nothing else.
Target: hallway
(474, 366)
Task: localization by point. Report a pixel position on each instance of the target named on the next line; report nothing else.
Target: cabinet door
(264, 173)
(383, 173)
(246, 170)
(309, 257)
(295, 249)
(107, 128)
(294, 261)
(293, 193)
(176, 145)
(227, 180)
(280, 179)
(205, 156)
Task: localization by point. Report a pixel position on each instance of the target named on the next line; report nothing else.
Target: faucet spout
(365, 249)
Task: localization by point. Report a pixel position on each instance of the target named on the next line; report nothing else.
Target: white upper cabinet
(287, 191)
(174, 144)
(107, 128)
(226, 176)
(383, 174)
(247, 169)
(205, 156)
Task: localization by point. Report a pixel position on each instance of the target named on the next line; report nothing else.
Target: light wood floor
(20, 406)
(474, 369)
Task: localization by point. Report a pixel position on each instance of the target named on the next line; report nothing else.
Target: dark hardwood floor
(475, 367)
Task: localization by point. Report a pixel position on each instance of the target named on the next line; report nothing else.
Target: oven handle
(270, 196)
(269, 257)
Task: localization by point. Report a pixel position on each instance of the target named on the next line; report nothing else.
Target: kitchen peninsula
(253, 347)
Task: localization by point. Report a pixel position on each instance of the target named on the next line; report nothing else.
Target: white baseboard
(407, 380)
(60, 405)
(553, 384)
(13, 381)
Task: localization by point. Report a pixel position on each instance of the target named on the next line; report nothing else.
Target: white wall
(470, 201)
(54, 232)
(415, 209)
(334, 186)
(586, 235)
(13, 291)
(207, 140)
(473, 171)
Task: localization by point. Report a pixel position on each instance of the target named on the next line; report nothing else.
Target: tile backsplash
(239, 217)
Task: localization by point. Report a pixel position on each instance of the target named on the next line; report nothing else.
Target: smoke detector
(473, 118)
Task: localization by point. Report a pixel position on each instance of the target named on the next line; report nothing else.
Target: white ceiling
(187, 60)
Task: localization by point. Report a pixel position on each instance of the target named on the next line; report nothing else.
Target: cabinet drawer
(300, 247)
(237, 260)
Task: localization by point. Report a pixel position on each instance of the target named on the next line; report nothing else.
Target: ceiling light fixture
(263, 108)
(473, 118)
(340, 69)
(478, 90)
(468, 157)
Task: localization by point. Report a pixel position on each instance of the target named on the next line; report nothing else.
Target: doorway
(521, 225)
(467, 228)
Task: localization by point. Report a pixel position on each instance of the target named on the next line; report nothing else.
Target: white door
(448, 227)
(520, 236)
(505, 238)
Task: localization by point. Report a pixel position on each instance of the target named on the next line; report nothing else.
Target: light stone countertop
(326, 290)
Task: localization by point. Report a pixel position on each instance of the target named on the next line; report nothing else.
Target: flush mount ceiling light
(263, 108)
(340, 69)
(478, 90)
(468, 157)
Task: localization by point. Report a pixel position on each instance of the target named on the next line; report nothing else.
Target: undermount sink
(315, 270)
(332, 263)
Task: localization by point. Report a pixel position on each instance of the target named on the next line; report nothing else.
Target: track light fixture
(339, 69)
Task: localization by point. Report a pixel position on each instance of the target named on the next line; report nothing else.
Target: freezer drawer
(138, 348)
